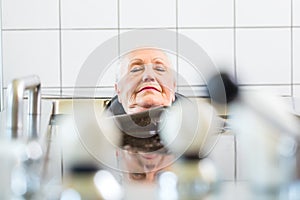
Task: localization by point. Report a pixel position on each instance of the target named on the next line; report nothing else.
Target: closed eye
(136, 68)
(160, 67)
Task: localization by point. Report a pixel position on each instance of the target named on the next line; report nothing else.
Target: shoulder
(114, 107)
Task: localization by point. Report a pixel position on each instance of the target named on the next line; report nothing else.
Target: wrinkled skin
(146, 80)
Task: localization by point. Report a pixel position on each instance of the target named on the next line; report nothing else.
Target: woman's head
(146, 80)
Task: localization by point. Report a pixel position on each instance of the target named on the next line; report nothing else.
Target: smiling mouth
(148, 88)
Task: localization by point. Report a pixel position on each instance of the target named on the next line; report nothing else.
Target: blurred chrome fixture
(15, 94)
(1, 71)
(267, 134)
(1, 90)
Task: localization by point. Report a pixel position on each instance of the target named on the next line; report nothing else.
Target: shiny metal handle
(15, 94)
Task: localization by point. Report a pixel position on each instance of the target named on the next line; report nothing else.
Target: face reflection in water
(142, 166)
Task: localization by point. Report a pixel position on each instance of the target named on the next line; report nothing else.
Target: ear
(117, 90)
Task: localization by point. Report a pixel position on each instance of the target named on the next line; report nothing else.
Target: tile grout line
(235, 157)
(235, 78)
(234, 42)
(177, 43)
(1, 65)
(148, 28)
(110, 86)
(60, 49)
(292, 57)
(292, 51)
(119, 29)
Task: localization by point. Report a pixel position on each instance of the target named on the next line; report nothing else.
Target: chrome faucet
(15, 95)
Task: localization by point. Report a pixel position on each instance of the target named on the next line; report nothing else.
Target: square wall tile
(263, 56)
(31, 52)
(296, 100)
(189, 75)
(296, 12)
(277, 90)
(141, 38)
(78, 92)
(241, 160)
(297, 92)
(51, 92)
(217, 44)
(263, 13)
(223, 155)
(144, 13)
(18, 14)
(296, 57)
(77, 46)
(99, 92)
(193, 91)
(212, 13)
(89, 14)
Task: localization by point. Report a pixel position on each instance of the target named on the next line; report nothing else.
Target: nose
(148, 75)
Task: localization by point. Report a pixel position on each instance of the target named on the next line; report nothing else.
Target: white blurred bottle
(266, 134)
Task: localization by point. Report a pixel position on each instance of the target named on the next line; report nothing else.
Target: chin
(150, 101)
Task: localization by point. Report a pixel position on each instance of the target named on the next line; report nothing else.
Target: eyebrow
(158, 58)
(135, 60)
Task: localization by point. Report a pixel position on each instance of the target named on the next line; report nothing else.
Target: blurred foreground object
(23, 140)
(89, 146)
(267, 134)
(190, 130)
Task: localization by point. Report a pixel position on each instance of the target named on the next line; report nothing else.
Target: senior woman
(146, 80)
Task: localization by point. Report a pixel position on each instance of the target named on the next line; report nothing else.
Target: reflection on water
(142, 166)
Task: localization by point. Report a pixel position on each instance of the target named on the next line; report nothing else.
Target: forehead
(147, 54)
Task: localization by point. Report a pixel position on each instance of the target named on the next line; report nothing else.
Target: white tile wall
(217, 43)
(189, 75)
(241, 174)
(297, 91)
(76, 47)
(31, 52)
(278, 90)
(84, 92)
(223, 156)
(51, 92)
(144, 13)
(260, 57)
(19, 14)
(213, 13)
(189, 90)
(263, 56)
(296, 57)
(263, 13)
(144, 38)
(296, 13)
(89, 14)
